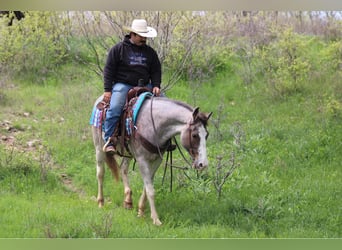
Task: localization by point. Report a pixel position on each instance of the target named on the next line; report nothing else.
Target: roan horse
(159, 120)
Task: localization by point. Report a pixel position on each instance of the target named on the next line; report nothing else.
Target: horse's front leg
(147, 175)
(150, 196)
(127, 203)
(142, 203)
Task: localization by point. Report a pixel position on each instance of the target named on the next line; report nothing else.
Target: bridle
(192, 143)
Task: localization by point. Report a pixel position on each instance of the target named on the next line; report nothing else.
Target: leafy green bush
(329, 68)
(35, 45)
(334, 107)
(331, 56)
(286, 64)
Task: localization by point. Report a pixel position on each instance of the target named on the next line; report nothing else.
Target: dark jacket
(128, 63)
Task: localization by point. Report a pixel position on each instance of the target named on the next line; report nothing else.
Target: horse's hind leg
(100, 171)
(142, 203)
(100, 159)
(127, 203)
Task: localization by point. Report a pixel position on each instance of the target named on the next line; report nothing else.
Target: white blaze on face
(202, 160)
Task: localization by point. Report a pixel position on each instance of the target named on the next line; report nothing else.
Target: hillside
(274, 147)
(286, 183)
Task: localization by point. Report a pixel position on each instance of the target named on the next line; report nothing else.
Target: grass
(287, 185)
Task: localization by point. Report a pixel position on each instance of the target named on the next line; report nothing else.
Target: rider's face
(138, 40)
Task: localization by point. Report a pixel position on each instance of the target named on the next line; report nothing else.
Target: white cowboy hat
(139, 26)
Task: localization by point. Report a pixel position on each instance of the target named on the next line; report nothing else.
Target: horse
(159, 120)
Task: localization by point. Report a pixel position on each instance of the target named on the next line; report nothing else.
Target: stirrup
(110, 150)
(106, 144)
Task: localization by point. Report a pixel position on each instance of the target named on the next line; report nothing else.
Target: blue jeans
(117, 103)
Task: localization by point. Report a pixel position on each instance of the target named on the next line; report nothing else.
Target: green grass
(287, 185)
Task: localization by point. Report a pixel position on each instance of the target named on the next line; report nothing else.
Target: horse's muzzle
(199, 165)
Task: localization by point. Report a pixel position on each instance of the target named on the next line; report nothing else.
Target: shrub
(35, 45)
(286, 64)
(331, 57)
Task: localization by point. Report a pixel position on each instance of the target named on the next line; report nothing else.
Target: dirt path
(9, 138)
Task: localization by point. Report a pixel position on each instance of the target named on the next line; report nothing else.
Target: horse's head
(193, 138)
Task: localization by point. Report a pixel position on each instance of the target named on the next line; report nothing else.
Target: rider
(129, 63)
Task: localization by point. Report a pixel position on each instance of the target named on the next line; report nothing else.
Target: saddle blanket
(96, 115)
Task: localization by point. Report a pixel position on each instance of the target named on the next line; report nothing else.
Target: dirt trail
(9, 138)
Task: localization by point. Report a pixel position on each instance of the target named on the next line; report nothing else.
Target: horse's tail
(113, 166)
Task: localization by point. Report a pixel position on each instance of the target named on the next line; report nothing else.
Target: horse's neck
(169, 118)
(173, 120)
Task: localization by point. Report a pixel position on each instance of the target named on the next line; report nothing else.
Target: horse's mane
(183, 104)
(201, 116)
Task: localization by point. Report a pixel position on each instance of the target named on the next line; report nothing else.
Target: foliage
(34, 46)
(192, 57)
(20, 174)
(201, 54)
(330, 69)
(192, 45)
(331, 56)
(285, 143)
(286, 64)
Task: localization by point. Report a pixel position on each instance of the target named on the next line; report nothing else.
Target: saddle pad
(96, 115)
(138, 104)
(96, 118)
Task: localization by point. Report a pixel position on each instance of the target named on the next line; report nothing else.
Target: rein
(163, 148)
(147, 144)
(181, 152)
(191, 148)
(166, 147)
(158, 148)
(154, 128)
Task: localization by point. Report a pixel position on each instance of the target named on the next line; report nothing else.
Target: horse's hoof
(128, 205)
(141, 213)
(157, 222)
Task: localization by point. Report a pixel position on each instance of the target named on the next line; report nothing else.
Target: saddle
(125, 127)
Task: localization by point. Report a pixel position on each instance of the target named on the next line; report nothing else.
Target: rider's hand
(156, 91)
(106, 97)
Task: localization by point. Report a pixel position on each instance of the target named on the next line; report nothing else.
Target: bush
(35, 45)
(331, 57)
(286, 64)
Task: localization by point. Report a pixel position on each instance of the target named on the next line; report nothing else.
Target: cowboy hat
(139, 26)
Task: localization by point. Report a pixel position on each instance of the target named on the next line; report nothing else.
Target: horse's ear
(195, 113)
(208, 115)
